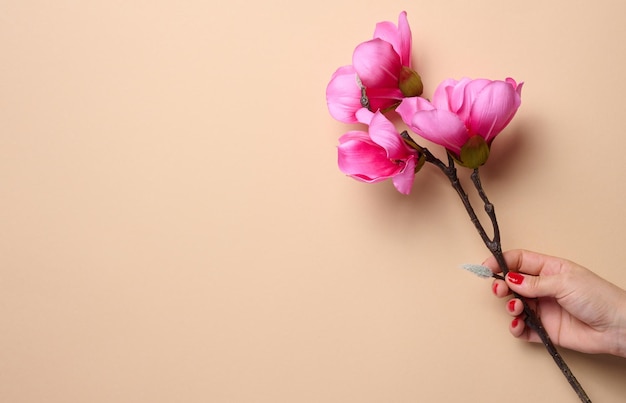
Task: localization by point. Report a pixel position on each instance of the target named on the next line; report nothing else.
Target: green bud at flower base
(474, 152)
(410, 82)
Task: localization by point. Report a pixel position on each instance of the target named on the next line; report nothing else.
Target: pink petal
(343, 95)
(403, 181)
(467, 91)
(385, 134)
(405, 39)
(388, 32)
(409, 106)
(399, 37)
(356, 135)
(377, 64)
(364, 116)
(440, 127)
(443, 93)
(518, 87)
(493, 109)
(383, 98)
(360, 158)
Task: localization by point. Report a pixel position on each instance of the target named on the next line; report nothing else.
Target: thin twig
(532, 320)
(495, 247)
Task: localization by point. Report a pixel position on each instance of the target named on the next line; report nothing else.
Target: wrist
(619, 342)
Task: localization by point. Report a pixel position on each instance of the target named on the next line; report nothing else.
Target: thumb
(534, 286)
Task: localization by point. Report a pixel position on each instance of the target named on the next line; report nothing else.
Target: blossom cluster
(464, 116)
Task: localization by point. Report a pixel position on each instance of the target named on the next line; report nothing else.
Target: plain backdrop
(174, 228)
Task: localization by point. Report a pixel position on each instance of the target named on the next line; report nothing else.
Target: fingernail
(514, 323)
(494, 288)
(511, 305)
(515, 278)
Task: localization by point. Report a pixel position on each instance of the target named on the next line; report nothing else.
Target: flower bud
(410, 82)
(474, 152)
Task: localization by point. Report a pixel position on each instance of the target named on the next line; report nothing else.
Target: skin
(579, 309)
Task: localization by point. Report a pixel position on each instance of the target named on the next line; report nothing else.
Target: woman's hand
(579, 310)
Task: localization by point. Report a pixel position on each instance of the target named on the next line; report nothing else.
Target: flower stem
(495, 247)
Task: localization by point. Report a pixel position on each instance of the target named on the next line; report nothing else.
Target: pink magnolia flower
(380, 75)
(378, 154)
(461, 110)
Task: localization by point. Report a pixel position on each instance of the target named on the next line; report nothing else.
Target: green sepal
(421, 160)
(474, 152)
(410, 82)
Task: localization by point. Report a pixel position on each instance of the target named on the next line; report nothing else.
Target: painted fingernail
(515, 323)
(511, 305)
(515, 278)
(494, 288)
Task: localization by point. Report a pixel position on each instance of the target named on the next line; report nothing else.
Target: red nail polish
(514, 323)
(494, 288)
(515, 278)
(511, 305)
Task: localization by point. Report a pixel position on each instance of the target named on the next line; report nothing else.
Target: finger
(533, 263)
(492, 264)
(524, 261)
(535, 286)
(500, 288)
(517, 328)
(514, 307)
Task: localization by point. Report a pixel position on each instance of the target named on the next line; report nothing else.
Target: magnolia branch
(495, 247)
(532, 319)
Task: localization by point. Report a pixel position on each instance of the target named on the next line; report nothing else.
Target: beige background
(173, 226)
